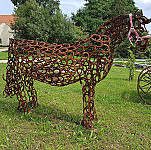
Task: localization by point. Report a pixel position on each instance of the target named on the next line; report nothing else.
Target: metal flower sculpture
(88, 61)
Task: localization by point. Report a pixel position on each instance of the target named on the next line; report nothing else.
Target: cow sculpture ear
(138, 14)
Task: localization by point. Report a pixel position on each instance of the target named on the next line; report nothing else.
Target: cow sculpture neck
(87, 61)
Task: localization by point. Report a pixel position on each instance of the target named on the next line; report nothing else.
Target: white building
(6, 33)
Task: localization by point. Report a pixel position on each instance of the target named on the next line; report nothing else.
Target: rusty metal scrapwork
(144, 85)
(87, 61)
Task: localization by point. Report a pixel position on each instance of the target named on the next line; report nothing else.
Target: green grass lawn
(3, 55)
(124, 121)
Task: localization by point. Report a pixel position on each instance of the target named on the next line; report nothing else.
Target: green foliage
(40, 23)
(119, 7)
(96, 12)
(131, 65)
(54, 3)
(121, 51)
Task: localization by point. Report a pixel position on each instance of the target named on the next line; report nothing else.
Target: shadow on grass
(52, 112)
(42, 113)
(133, 97)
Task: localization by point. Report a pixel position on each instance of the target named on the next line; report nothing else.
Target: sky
(68, 6)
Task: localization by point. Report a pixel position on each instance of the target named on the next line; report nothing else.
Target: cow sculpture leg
(22, 100)
(88, 90)
(26, 89)
(31, 92)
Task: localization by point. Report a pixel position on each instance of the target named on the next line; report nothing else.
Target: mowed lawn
(3, 55)
(124, 120)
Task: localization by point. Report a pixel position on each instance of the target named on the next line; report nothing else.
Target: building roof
(6, 19)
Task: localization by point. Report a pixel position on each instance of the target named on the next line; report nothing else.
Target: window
(0, 41)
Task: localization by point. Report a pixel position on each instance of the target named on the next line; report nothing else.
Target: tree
(96, 12)
(38, 23)
(91, 16)
(54, 3)
(122, 7)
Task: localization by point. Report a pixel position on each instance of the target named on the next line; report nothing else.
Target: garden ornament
(88, 61)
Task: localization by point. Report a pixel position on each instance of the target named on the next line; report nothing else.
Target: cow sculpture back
(88, 61)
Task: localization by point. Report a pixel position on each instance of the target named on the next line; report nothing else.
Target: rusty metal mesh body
(87, 61)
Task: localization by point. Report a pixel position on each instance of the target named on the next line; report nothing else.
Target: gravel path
(4, 49)
(3, 61)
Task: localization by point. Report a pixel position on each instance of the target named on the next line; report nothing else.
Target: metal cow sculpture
(87, 61)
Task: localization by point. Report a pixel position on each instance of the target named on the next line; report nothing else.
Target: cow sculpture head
(138, 33)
